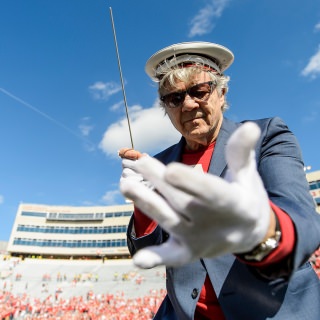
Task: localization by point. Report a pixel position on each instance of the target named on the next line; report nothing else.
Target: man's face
(198, 121)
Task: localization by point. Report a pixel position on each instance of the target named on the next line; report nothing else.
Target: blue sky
(61, 105)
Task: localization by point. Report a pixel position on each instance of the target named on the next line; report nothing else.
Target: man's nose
(189, 104)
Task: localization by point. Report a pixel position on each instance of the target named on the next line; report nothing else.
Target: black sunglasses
(198, 92)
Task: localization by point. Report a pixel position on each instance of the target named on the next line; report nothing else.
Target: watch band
(259, 252)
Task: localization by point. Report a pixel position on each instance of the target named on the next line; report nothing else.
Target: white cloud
(1, 199)
(317, 27)
(203, 22)
(103, 90)
(110, 197)
(311, 117)
(116, 106)
(313, 67)
(85, 129)
(151, 130)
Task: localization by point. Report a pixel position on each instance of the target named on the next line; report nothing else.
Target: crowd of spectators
(315, 260)
(49, 297)
(93, 307)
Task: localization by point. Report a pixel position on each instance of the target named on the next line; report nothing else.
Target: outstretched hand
(129, 157)
(205, 215)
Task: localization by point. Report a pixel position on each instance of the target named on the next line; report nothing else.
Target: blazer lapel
(218, 164)
(219, 267)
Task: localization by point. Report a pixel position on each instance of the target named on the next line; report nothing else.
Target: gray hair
(170, 77)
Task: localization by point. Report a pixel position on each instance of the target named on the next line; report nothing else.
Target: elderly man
(227, 209)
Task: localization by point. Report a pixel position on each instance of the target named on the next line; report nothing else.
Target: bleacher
(77, 277)
(62, 281)
(82, 289)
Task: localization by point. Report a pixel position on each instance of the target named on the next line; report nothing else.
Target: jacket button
(194, 293)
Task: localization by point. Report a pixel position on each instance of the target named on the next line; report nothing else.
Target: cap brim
(222, 55)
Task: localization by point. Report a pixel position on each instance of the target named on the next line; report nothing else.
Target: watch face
(271, 243)
(264, 248)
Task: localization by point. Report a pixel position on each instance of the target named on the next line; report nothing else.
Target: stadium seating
(78, 289)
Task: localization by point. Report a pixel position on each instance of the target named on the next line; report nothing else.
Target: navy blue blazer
(285, 291)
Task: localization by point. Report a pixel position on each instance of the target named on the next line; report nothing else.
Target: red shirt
(208, 305)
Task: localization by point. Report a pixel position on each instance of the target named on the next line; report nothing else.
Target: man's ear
(222, 98)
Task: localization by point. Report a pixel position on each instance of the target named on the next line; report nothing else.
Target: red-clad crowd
(315, 260)
(93, 307)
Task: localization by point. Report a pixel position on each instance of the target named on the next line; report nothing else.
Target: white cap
(213, 55)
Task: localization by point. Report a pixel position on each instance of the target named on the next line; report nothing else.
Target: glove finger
(151, 169)
(183, 186)
(128, 173)
(170, 253)
(150, 203)
(154, 171)
(240, 147)
(196, 183)
(127, 163)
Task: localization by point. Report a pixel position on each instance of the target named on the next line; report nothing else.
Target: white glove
(205, 215)
(130, 174)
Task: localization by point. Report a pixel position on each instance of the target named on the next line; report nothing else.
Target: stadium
(65, 262)
(70, 232)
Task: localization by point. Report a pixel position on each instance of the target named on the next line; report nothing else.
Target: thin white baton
(121, 78)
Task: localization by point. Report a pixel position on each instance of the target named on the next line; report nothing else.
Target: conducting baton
(121, 78)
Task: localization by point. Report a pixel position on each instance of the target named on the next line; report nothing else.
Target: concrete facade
(70, 232)
(314, 184)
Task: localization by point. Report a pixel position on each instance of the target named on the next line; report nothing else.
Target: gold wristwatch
(259, 252)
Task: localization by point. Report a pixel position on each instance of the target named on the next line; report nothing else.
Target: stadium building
(314, 185)
(70, 232)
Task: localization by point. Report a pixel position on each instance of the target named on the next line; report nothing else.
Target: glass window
(34, 214)
(313, 186)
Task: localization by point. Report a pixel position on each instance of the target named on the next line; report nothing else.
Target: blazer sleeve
(281, 167)
(157, 236)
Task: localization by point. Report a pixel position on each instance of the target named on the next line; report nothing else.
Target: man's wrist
(269, 244)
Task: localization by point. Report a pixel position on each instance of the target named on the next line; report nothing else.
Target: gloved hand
(205, 215)
(129, 156)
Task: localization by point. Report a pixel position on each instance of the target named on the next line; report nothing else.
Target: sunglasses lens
(175, 99)
(200, 91)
